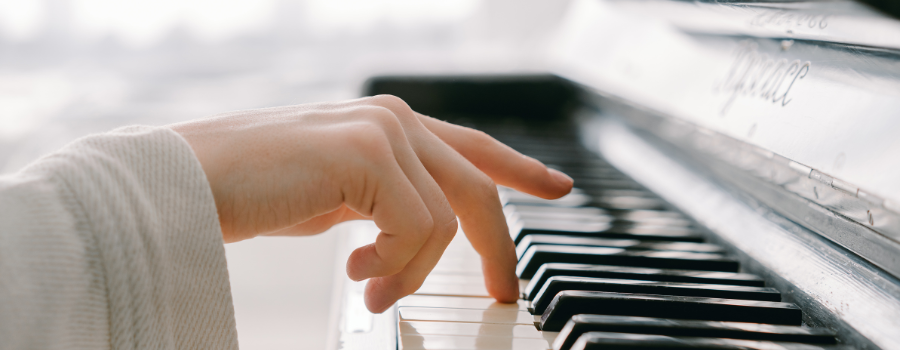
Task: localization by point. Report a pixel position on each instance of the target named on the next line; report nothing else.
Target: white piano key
(460, 302)
(452, 278)
(576, 198)
(566, 225)
(460, 245)
(463, 265)
(550, 337)
(448, 342)
(454, 284)
(498, 316)
(557, 211)
(475, 329)
(453, 289)
(460, 261)
(470, 329)
(523, 284)
(451, 270)
(461, 253)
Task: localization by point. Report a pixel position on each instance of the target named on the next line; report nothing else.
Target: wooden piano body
(773, 127)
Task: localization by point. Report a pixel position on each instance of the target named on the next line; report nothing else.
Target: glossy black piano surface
(693, 291)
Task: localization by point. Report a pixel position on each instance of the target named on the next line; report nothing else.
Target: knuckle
(390, 101)
(383, 118)
(395, 104)
(481, 191)
(486, 187)
(425, 226)
(445, 233)
(446, 223)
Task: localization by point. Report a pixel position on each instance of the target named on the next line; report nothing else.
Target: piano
(737, 174)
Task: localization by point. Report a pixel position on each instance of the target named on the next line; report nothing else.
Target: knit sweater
(113, 242)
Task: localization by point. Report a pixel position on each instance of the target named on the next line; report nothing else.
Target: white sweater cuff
(145, 200)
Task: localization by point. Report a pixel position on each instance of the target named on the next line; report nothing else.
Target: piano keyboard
(608, 266)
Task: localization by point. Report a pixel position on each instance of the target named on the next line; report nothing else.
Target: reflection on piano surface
(736, 187)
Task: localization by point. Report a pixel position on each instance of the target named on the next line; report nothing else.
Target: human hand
(299, 170)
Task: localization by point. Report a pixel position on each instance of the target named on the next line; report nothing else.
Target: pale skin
(299, 170)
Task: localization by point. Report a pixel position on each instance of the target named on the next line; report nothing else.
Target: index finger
(500, 162)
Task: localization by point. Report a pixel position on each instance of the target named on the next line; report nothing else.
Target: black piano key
(526, 215)
(649, 216)
(564, 225)
(591, 165)
(627, 202)
(643, 218)
(562, 159)
(558, 150)
(542, 211)
(636, 273)
(669, 222)
(569, 303)
(557, 284)
(624, 226)
(575, 198)
(628, 193)
(615, 341)
(634, 244)
(529, 219)
(538, 255)
(580, 170)
(536, 239)
(588, 183)
(580, 324)
(603, 180)
(623, 184)
(627, 231)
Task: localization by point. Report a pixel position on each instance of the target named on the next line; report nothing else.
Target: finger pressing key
(473, 197)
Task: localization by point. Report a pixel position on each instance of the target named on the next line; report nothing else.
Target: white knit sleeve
(113, 242)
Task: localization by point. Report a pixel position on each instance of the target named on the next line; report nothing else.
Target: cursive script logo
(756, 75)
(790, 20)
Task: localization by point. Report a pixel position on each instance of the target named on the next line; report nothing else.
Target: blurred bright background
(69, 68)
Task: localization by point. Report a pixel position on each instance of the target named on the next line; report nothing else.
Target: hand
(299, 170)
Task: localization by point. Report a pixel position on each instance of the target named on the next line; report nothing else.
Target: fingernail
(560, 178)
